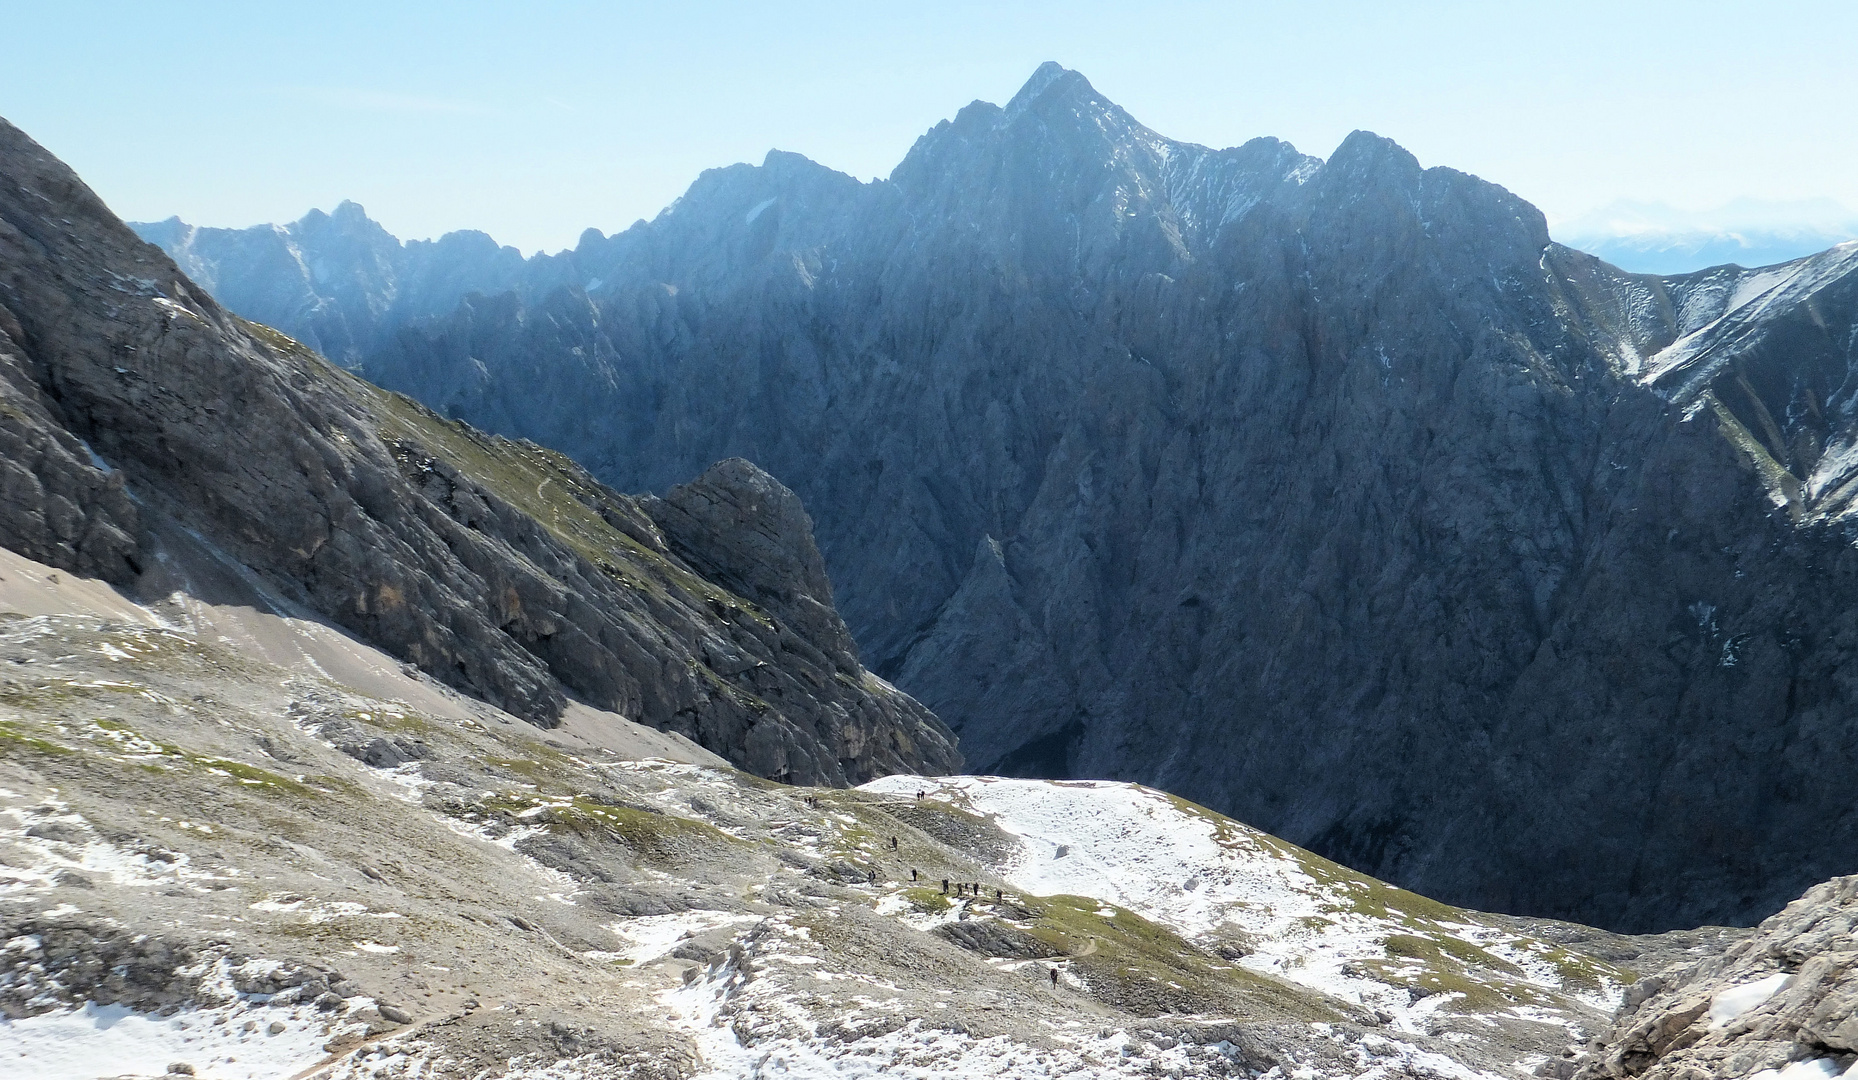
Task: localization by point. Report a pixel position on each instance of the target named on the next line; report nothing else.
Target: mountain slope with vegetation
(216, 860)
(144, 431)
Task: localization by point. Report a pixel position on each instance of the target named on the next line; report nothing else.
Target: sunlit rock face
(1331, 494)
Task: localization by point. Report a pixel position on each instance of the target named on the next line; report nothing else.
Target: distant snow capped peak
(1657, 238)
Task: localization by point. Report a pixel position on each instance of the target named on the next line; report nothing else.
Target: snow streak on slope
(1699, 354)
(1301, 918)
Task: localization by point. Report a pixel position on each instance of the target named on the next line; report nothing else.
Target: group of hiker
(972, 889)
(962, 888)
(966, 888)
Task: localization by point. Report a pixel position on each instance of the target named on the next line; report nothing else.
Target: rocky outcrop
(741, 529)
(1781, 1003)
(136, 407)
(1331, 494)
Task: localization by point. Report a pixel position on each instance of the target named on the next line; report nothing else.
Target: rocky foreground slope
(1328, 493)
(1782, 1003)
(216, 857)
(152, 439)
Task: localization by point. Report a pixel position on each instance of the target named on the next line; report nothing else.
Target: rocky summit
(1331, 494)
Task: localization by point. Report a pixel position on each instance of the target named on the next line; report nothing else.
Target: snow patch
(1736, 1000)
(649, 937)
(233, 1043)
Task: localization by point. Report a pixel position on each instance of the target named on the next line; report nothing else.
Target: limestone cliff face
(1331, 494)
(133, 406)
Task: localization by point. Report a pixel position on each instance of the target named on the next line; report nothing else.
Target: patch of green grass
(1227, 832)
(169, 758)
(1140, 966)
(1476, 995)
(865, 838)
(407, 723)
(927, 901)
(1441, 963)
(653, 836)
(550, 770)
(1580, 972)
(16, 740)
(528, 768)
(1352, 891)
(250, 775)
(277, 339)
(1435, 949)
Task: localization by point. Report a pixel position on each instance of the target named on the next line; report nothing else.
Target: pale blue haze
(534, 121)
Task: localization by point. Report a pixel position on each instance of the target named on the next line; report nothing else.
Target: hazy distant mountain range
(1653, 238)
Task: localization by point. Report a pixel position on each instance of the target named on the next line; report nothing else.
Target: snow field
(1202, 875)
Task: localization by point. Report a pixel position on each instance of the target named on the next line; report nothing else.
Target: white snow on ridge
(1755, 293)
(1204, 876)
(1194, 873)
(1133, 846)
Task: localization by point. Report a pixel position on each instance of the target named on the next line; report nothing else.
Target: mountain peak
(1366, 150)
(1051, 79)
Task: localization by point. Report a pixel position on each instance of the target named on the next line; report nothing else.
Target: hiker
(893, 843)
(1054, 976)
(912, 873)
(919, 794)
(996, 894)
(944, 886)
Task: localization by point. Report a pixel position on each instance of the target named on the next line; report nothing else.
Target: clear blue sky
(533, 121)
